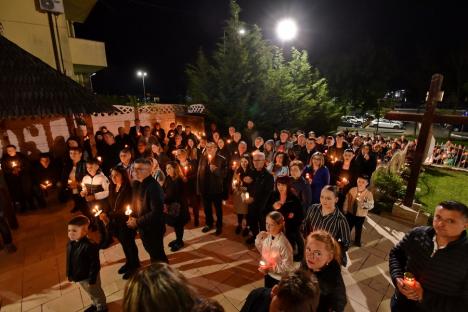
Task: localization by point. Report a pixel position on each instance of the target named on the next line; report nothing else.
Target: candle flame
(262, 262)
(99, 158)
(247, 195)
(128, 211)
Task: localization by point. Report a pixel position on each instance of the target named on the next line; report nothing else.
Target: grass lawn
(442, 184)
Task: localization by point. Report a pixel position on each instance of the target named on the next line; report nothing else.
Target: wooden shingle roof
(30, 87)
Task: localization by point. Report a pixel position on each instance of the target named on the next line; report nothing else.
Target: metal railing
(450, 155)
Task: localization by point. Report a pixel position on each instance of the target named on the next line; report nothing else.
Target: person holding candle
(159, 133)
(259, 184)
(275, 250)
(366, 161)
(83, 264)
(110, 154)
(299, 185)
(72, 174)
(344, 175)
(357, 204)
(45, 175)
(284, 200)
(318, 175)
(17, 169)
(156, 172)
(148, 203)
(95, 190)
(126, 161)
(238, 188)
(120, 200)
(323, 258)
(211, 172)
(326, 216)
(189, 170)
(436, 257)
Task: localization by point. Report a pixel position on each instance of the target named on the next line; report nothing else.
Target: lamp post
(91, 81)
(143, 74)
(286, 29)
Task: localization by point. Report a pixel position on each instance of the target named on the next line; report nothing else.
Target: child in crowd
(95, 190)
(276, 251)
(83, 263)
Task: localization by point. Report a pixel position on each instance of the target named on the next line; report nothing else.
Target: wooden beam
(426, 125)
(438, 118)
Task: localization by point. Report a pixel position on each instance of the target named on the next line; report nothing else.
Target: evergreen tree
(248, 78)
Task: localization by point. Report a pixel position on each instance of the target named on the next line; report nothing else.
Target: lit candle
(99, 158)
(229, 141)
(344, 180)
(14, 164)
(307, 176)
(126, 145)
(128, 211)
(185, 169)
(203, 133)
(69, 181)
(97, 211)
(247, 195)
(209, 157)
(157, 133)
(409, 279)
(262, 262)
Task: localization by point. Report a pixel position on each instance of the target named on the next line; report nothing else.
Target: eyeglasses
(314, 253)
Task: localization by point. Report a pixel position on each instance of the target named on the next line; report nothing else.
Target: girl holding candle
(189, 170)
(357, 204)
(175, 203)
(120, 199)
(344, 176)
(240, 206)
(280, 166)
(275, 249)
(323, 257)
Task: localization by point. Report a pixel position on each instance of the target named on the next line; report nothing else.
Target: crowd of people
(450, 154)
(297, 197)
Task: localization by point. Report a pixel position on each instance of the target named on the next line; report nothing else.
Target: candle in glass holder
(128, 211)
(409, 279)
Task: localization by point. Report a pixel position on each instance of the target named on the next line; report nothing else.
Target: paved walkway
(33, 279)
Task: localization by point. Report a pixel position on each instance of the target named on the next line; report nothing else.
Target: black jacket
(83, 260)
(118, 202)
(150, 207)
(258, 300)
(209, 182)
(332, 288)
(260, 189)
(443, 276)
(291, 211)
(174, 193)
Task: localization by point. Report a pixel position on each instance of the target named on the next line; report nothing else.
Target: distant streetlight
(286, 29)
(91, 81)
(241, 31)
(143, 74)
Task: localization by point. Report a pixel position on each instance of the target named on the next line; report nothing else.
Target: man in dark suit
(211, 172)
(148, 203)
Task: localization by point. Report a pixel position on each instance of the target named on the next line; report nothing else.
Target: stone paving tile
(221, 267)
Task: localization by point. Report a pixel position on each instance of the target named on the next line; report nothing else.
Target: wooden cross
(427, 119)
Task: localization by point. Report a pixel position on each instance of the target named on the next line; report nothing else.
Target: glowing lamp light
(286, 29)
(241, 31)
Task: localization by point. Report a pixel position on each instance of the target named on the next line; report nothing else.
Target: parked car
(385, 123)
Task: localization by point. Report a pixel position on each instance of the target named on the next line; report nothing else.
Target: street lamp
(241, 31)
(143, 74)
(286, 29)
(91, 81)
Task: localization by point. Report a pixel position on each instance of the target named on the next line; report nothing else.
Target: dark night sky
(162, 37)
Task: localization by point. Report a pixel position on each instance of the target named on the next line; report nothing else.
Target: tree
(248, 78)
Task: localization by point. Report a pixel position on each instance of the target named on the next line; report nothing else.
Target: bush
(389, 188)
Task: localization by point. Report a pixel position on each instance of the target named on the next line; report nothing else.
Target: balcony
(87, 56)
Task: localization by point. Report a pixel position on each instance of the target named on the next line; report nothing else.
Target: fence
(450, 155)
